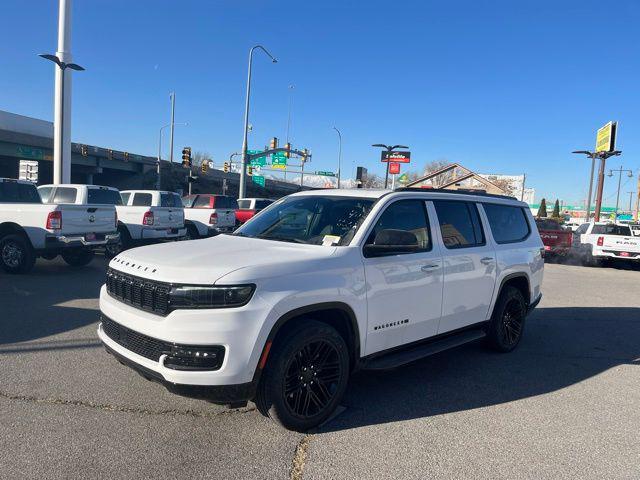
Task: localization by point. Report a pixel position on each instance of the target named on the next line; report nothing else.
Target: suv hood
(206, 261)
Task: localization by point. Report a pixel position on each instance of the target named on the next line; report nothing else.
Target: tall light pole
(630, 201)
(172, 96)
(158, 183)
(243, 169)
(592, 156)
(62, 99)
(291, 88)
(620, 171)
(339, 153)
(388, 148)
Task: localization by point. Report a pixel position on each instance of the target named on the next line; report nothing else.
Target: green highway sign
(326, 174)
(259, 161)
(279, 160)
(259, 179)
(29, 152)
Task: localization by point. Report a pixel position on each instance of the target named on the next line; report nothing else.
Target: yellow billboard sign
(606, 138)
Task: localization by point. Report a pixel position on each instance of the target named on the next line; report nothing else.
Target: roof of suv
(378, 193)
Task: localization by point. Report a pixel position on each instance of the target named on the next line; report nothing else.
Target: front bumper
(223, 394)
(80, 240)
(163, 233)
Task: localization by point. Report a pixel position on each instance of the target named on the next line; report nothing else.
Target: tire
(16, 254)
(121, 245)
(316, 384)
(77, 257)
(507, 322)
(192, 232)
(589, 260)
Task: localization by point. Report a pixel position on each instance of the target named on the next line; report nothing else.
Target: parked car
(31, 229)
(320, 285)
(556, 238)
(248, 207)
(597, 242)
(208, 214)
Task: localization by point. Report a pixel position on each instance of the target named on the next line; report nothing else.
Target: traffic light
(249, 170)
(305, 155)
(226, 167)
(273, 144)
(84, 150)
(205, 166)
(287, 152)
(186, 157)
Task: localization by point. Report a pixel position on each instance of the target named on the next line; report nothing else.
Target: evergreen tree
(556, 209)
(542, 211)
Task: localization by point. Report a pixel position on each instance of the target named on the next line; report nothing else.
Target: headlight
(200, 296)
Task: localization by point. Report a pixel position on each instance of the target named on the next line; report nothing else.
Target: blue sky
(501, 86)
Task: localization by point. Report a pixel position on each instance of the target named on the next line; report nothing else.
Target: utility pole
(630, 201)
(172, 95)
(339, 153)
(524, 179)
(620, 171)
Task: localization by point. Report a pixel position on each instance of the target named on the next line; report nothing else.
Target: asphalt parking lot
(564, 405)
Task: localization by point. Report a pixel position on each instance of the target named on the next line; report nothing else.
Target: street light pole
(630, 201)
(172, 95)
(339, 153)
(62, 137)
(243, 168)
(592, 156)
(619, 171)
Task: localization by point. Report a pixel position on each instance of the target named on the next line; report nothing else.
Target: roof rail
(480, 193)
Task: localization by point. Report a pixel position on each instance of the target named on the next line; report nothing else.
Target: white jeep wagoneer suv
(319, 285)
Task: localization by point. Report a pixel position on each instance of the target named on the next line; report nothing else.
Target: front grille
(179, 357)
(144, 346)
(141, 293)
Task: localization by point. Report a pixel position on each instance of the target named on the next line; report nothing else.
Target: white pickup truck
(29, 229)
(600, 241)
(207, 214)
(144, 216)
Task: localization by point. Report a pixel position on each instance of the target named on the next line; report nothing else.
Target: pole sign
(397, 157)
(259, 179)
(394, 168)
(326, 174)
(606, 138)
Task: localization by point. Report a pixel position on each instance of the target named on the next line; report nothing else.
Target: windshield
(611, 229)
(312, 220)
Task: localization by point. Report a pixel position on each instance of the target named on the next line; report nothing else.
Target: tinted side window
(582, 229)
(407, 215)
(187, 201)
(103, 196)
(170, 200)
(202, 202)
(508, 224)
(261, 204)
(125, 198)
(142, 200)
(244, 204)
(45, 193)
(14, 192)
(64, 195)
(225, 202)
(459, 223)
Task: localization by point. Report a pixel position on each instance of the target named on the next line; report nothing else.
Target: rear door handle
(486, 260)
(428, 268)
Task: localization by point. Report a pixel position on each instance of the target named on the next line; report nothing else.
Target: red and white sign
(394, 168)
(396, 157)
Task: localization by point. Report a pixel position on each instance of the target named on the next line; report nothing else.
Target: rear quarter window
(65, 195)
(142, 200)
(244, 204)
(103, 196)
(508, 224)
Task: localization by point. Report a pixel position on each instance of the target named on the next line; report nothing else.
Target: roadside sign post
(28, 170)
(391, 156)
(605, 148)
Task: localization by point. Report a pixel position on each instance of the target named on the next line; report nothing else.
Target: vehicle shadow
(561, 346)
(43, 303)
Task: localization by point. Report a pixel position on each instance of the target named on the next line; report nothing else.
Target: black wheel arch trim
(308, 309)
(512, 276)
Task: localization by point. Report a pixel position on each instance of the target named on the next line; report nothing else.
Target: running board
(402, 357)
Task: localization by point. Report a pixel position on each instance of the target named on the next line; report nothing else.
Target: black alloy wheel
(312, 379)
(507, 322)
(305, 377)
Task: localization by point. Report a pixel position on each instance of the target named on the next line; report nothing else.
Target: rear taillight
(213, 219)
(54, 220)
(600, 241)
(147, 219)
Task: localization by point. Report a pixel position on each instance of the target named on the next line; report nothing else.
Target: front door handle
(486, 260)
(428, 268)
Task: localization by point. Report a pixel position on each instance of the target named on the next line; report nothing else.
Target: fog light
(194, 358)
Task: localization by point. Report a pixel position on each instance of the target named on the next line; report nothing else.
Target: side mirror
(392, 242)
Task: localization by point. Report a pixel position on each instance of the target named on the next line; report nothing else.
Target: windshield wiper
(281, 239)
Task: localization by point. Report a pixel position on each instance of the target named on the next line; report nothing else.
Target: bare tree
(373, 181)
(505, 185)
(199, 157)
